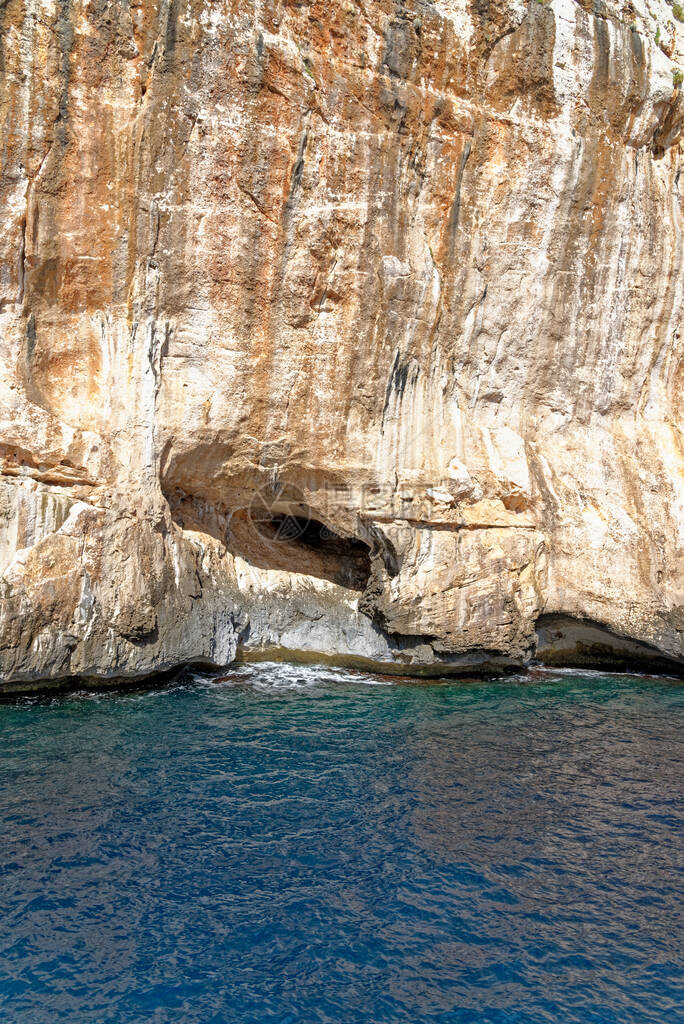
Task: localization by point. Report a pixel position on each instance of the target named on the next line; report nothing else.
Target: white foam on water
(591, 673)
(281, 677)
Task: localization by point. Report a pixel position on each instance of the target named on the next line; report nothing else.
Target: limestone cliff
(342, 328)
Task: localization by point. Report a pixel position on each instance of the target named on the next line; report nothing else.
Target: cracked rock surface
(348, 329)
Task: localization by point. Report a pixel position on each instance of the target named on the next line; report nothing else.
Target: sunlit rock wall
(407, 273)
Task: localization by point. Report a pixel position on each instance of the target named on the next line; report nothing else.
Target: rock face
(345, 329)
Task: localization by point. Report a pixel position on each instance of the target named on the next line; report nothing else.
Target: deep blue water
(308, 845)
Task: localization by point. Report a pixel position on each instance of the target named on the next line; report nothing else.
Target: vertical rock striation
(347, 329)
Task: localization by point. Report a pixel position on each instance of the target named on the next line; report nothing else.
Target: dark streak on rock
(21, 268)
(297, 172)
(65, 35)
(602, 46)
(455, 215)
(3, 11)
(30, 338)
(398, 380)
(637, 47)
(171, 31)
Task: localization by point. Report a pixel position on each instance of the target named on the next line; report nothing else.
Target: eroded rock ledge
(349, 330)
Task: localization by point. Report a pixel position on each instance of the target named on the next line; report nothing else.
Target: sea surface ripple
(302, 845)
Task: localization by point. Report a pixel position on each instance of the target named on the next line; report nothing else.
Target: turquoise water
(310, 845)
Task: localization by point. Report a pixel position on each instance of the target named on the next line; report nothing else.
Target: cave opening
(306, 545)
